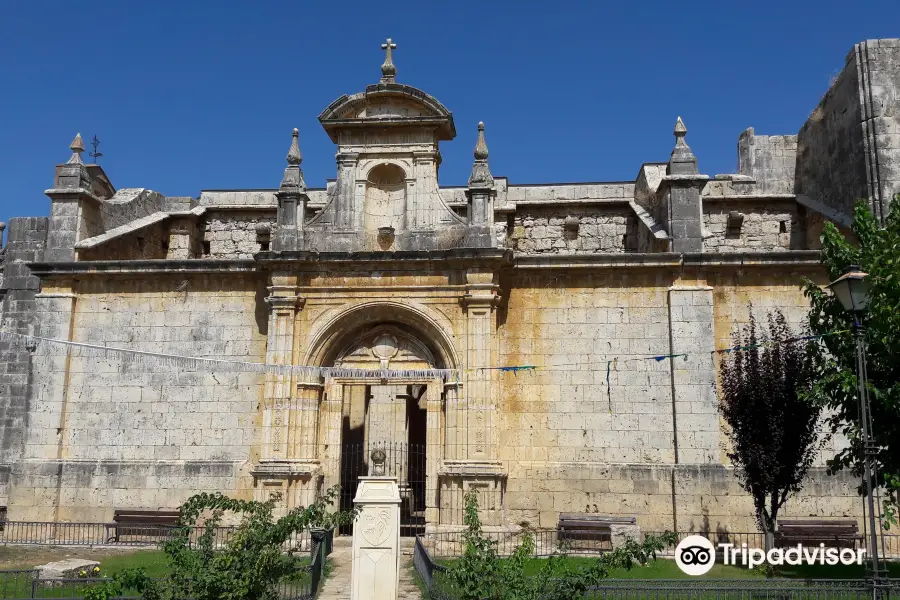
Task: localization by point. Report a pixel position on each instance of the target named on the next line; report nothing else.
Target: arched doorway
(404, 416)
(387, 415)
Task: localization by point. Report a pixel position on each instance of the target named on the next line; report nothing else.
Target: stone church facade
(410, 302)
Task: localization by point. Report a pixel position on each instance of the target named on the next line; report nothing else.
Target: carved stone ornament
(378, 458)
(385, 347)
(377, 526)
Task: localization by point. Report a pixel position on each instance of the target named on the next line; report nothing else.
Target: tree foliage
(260, 553)
(876, 250)
(773, 427)
(481, 574)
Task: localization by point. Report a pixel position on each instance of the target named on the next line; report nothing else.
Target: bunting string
(192, 363)
(189, 363)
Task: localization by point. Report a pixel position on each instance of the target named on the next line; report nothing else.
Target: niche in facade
(385, 198)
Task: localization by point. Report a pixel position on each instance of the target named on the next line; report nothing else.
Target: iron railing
(28, 584)
(438, 587)
(739, 589)
(547, 542)
(406, 462)
(47, 533)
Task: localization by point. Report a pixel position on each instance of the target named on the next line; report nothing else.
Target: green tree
(481, 574)
(773, 427)
(248, 565)
(876, 250)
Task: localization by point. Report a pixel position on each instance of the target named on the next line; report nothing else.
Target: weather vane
(95, 143)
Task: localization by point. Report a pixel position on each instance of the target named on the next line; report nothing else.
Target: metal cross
(95, 143)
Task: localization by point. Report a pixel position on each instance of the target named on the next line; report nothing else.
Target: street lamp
(852, 290)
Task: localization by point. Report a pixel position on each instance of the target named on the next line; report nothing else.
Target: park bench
(590, 531)
(833, 533)
(141, 523)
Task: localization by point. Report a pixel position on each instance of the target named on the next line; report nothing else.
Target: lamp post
(852, 290)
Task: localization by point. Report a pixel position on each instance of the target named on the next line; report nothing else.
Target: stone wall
(766, 291)
(764, 226)
(704, 498)
(137, 434)
(574, 230)
(849, 148)
(769, 159)
(569, 326)
(232, 234)
(150, 242)
(26, 241)
(572, 444)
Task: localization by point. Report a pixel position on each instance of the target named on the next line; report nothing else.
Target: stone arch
(340, 331)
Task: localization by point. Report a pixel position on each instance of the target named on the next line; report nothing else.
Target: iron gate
(404, 461)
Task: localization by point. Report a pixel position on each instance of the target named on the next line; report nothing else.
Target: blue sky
(203, 95)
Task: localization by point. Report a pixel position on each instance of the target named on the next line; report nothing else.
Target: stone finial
(2, 228)
(294, 157)
(293, 175)
(77, 147)
(481, 173)
(682, 161)
(481, 149)
(388, 70)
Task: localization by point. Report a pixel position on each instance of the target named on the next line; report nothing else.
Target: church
(551, 346)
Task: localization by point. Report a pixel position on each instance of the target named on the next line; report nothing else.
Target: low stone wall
(574, 230)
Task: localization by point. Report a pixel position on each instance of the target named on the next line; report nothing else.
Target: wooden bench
(586, 527)
(812, 532)
(141, 523)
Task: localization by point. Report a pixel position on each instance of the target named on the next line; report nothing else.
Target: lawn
(154, 562)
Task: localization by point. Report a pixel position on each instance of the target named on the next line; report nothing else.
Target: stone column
(381, 426)
(694, 411)
(330, 445)
(304, 420)
(434, 449)
(375, 573)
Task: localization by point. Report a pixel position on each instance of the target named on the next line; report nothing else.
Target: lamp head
(851, 289)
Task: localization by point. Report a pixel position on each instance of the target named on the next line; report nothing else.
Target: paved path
(337, 586)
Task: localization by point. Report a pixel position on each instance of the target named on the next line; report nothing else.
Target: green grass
(154, 562)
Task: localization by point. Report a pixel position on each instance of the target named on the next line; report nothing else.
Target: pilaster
(479, 303)
(694, 411)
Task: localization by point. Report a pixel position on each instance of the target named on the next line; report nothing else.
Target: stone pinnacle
(481, 149)
(77, 147)
(294, 156)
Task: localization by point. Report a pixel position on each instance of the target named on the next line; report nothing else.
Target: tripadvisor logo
(696, 555)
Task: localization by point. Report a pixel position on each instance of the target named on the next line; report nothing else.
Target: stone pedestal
(376, 540)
